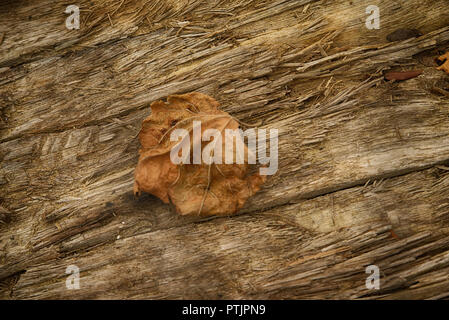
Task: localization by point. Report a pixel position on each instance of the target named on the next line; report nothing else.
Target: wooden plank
(68, 148)
(35, 31)
(307, 250)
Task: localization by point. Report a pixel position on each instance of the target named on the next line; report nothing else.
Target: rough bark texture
(364, 163)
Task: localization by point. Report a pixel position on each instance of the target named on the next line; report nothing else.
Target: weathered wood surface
(363, 175)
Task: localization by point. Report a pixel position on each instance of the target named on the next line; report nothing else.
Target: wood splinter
(402, 75)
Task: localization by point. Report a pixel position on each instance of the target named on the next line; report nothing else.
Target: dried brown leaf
(194, 189)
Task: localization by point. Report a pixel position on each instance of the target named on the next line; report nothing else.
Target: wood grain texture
(363, 163)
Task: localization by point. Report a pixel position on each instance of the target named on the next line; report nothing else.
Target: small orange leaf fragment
(445, 66)
(194, 189)
(394, 235)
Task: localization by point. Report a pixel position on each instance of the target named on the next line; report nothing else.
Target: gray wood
(364, 164)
